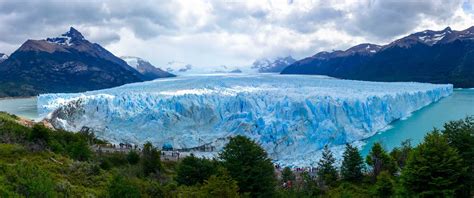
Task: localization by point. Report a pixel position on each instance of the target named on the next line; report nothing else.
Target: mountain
(68, 63)
(267, 66)
(445, 56)
(146, 68)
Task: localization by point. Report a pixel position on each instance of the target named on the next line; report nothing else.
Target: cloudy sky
(227, 32)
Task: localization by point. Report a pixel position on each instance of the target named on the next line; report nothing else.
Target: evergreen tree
(352, 164)
(460, 135)
(400, 155)
(433, 168)
(327, 172)
(379, 161)
(151, 162)
(193, 170)
(384, 185)
(249, 165)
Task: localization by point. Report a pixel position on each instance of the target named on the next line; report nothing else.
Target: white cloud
(229, 32)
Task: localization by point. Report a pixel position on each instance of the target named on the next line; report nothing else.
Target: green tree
(327, 172)
(400, 155)
(352, 164)
(460, 135)
(250, 166)
(133, 157)
(121, 187)
(379, 161)
(384, 185)
(151, 162)
(193, 170)
(287, 175)
(433, 168)
(80, 150)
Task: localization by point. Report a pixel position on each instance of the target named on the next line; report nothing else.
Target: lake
(24, 107)
(454, 107)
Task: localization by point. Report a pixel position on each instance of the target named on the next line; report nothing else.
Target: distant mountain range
(265, 65)
(445, 56)
(146, 68)
(68, 63)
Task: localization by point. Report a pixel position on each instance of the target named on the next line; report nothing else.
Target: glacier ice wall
(292, 117)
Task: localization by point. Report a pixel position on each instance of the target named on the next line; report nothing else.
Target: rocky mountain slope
(68, 63)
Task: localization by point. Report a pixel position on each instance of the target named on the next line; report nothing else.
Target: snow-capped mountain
(292, 117)
(265, 65)
(430, 37)
(146, 68)
(3, 57)
(443, 56)
(361, 49)
(72, 37)
(67, 63)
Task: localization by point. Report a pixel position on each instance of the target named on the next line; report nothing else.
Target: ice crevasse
(292, 117)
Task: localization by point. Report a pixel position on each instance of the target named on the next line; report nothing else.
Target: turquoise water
(455, 107)
(24, 107)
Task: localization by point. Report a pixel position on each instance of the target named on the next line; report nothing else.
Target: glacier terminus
(292, 116)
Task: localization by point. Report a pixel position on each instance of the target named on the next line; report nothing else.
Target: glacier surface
(292, 117)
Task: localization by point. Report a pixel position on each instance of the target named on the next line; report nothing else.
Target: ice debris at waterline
(292, 117)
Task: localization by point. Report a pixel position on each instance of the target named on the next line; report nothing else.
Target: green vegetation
(39, 162)
(250, 166)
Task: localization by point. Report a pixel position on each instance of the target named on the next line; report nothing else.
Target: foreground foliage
(39, 162)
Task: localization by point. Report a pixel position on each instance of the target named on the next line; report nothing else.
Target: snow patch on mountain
(3, 57)
(67, 38)
(292, 117)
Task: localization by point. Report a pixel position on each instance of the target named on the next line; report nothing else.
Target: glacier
(291, 116)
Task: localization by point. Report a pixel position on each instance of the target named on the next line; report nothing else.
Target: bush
(121, 187)
(133, 157)
(31, 181)
(39, 133)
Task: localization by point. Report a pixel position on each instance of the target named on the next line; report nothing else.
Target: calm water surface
(454, 107)
(24, 107)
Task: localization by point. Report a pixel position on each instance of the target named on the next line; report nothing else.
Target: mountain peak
(69, 38)
(74, 34)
